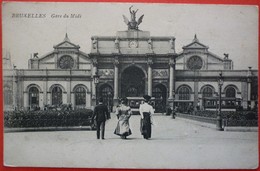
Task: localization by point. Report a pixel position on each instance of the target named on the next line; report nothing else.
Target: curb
(213, 126)
(78, 128)
(241, 129)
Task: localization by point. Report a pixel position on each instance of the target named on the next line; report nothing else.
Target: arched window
(195, 63)
(207, 92)
(80, 96)
(56, 96)
(184, 93)
(66, 62)
(8, 95)
(230, 92)
(33, 97)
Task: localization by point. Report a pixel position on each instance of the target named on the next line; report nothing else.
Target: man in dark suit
(101, 114)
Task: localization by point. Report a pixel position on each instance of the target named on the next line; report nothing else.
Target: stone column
(94, 71)
(15, 82)
(244, 93)
(72, 100)
(68, 91)
(45, 90)
(196, 93)
(171, 84)
(249, 102)
(150, 62)
(116, 63)
(249, 81)
(49, 100)
(26, 100)
(41, 96)
(172, 75)
(88, 99)
(249, 90)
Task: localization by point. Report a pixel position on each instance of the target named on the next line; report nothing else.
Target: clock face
(194, 62)
(66, 62)
(133, 44)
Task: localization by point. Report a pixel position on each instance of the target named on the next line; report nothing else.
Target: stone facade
(130, 64)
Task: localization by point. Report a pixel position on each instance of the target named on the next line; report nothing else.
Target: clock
(66, 62)
(133, 44)
(194, 63)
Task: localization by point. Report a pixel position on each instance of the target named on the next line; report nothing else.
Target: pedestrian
(100, 115)
(146, 112)
(123, 113)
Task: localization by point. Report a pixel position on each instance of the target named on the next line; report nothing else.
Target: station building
(130, 64)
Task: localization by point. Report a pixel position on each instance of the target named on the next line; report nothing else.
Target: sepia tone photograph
(130, 85)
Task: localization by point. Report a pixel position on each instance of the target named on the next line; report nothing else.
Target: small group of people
(123, 113)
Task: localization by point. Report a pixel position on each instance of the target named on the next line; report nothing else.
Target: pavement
(175, 144)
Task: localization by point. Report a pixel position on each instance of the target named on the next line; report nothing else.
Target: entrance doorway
(160, 93)
(107, 95)
(33, 98)
(133, 82)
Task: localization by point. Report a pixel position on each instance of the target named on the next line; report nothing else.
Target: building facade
(130, 64)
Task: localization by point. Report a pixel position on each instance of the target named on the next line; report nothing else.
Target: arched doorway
(230, 100)
(106, 92)
(56, 96)
(231, 92)
(160, 93)
(33, 98)
(133, 82)
(80, 97)
(184, 102)
(207, 97)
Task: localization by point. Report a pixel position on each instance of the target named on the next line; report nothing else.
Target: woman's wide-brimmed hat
(147, 97)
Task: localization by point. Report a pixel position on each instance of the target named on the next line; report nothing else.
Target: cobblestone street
(175, 144)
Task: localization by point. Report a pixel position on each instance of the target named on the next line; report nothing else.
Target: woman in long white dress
(123, 112)
(146, 111)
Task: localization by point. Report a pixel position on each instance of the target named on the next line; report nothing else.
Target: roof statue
(35, 55)
(226, 55)
(133, 24)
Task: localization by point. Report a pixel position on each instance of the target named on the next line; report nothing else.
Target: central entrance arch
(133, 82)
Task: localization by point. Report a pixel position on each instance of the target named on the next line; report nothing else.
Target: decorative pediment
(66, 44)
(195, 44)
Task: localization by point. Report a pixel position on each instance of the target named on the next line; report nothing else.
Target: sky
(231, 29)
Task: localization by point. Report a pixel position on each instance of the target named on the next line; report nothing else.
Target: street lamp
(219, 116)
(108, 100)
(173, 105)
(96, 81)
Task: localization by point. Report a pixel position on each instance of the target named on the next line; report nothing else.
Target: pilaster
(149, 63)
(116, 64)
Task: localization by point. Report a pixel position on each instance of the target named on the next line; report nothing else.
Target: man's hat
(147, 97)
(100, 99)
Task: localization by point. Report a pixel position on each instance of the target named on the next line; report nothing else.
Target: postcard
(130, 85)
